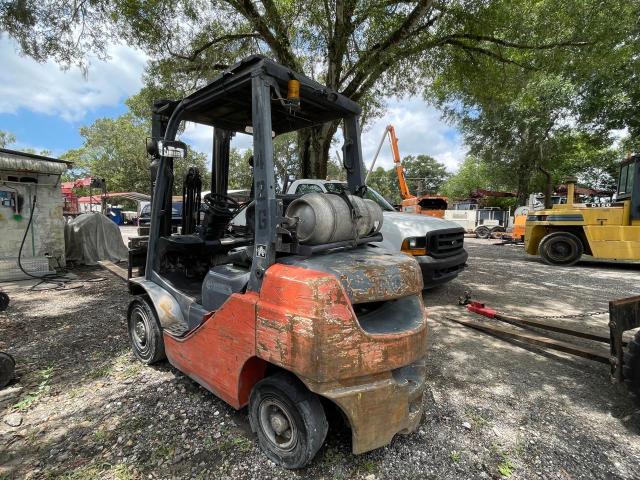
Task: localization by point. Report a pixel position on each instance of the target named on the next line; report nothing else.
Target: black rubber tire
(570, 249)
(631, 366)
(145, 333)
(304, 410)
(495, 230)
(7, 369)
(483, 232)
(4, 301)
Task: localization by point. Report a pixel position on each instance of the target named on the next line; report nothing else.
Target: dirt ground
(83, 408)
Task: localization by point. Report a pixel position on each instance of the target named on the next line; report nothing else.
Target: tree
(366, 50)
(240, 174)
(114, 149)
(424, 174)
(6, 139)
(474, 173)
(385, 183)
(285, 159)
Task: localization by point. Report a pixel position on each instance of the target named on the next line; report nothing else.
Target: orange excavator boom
(404, 188)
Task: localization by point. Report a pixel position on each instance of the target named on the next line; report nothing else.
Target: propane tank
(325, 218)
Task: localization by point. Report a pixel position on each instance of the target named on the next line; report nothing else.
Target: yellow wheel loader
(610, 231)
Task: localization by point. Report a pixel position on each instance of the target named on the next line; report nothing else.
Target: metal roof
(17, 161)
(226, 102)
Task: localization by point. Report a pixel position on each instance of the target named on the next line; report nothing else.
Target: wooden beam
(554, 328)
(115, 269)
(597, 355)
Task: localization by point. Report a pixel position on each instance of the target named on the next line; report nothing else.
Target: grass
(33, 396)
(477, 420)
(237, 443)
(455, 456)
(100, 372)
(99, 472)
(101, 435)
(506, 466)
(370, 466)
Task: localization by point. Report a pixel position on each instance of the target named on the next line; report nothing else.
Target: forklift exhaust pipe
(571, 190)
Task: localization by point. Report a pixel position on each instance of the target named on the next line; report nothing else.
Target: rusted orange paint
(304, 322)
(220, 353)
(313, 331)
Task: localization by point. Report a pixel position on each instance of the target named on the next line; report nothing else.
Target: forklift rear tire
(144, 331)
(561, 249)
(7, 369)
(483, 232)
(631, 366)
(288, 419)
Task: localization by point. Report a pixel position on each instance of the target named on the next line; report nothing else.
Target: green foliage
(335, 170)
(367, 50)
(240, 174)
(286, 159)
(385, 183)
(33, 396)
(6, 139)
(115, 149)
(424, 174)
(472, 174)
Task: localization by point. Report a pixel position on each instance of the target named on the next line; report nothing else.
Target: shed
(30, 213)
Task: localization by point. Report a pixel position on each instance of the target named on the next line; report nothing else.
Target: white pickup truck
(437, 244)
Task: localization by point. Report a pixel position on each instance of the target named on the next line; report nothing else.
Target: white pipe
(375, 157)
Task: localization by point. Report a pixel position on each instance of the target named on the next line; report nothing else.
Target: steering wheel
(221, 204)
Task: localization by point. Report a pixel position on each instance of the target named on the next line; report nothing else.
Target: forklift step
(176, 330)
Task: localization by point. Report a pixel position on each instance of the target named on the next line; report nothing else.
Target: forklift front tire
(288, 419)
(561, 249)
(144, 331)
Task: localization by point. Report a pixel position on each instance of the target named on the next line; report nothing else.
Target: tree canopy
(366, 50)
(424, 175)
(114, 149)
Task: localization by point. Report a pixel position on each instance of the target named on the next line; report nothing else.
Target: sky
(45, 107)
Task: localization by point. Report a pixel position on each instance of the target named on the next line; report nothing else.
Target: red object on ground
(477, 307)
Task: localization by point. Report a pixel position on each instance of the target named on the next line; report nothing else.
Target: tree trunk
(548, 188)
(313, 146)
(524, 171)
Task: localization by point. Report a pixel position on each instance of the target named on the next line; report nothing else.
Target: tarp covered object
(91, 237)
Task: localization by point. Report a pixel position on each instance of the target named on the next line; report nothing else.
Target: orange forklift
(293, 310)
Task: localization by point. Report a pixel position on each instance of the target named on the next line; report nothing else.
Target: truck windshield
(339, 187)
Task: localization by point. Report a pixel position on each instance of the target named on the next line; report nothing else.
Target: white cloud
(45, 88)
(200, 138)
(420, 130)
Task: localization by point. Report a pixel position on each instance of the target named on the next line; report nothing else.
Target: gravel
(83, 408)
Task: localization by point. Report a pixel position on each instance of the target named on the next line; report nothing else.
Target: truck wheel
(561, 248)
(144, 331)
(7, 369)
(483, 232)
(495, 230)
(631, 366)
(288, 419)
